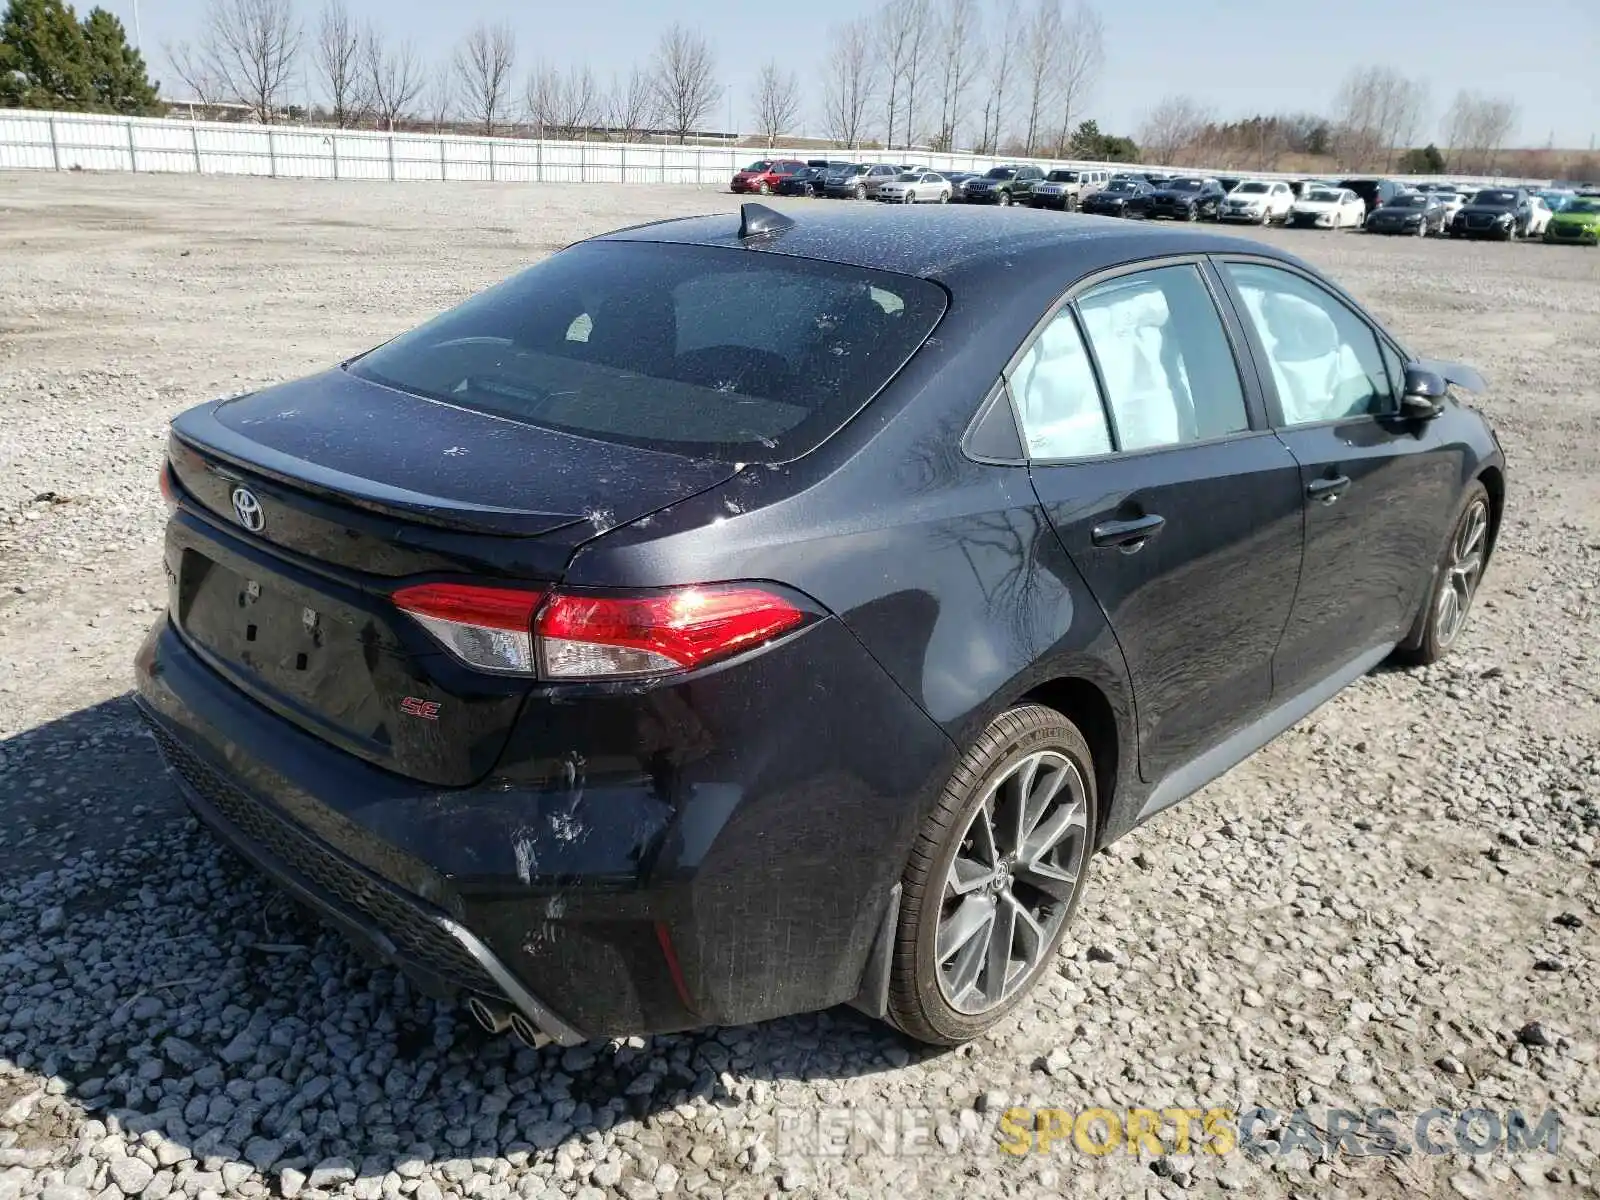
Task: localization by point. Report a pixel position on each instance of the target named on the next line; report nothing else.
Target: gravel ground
(1393, 905)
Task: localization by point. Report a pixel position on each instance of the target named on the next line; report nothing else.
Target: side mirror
(1423, 395)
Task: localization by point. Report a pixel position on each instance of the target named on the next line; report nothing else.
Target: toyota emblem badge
(248, 509)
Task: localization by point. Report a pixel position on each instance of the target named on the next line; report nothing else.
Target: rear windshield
(705, 351)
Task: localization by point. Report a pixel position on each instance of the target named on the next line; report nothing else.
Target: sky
(1238, 57)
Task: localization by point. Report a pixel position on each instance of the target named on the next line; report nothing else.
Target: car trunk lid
(351, 488)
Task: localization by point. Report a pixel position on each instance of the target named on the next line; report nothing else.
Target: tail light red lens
(603, 636)
(168, 489)
(486, 627)
(568, 636)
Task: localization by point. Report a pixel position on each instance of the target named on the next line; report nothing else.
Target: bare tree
(1172, 127)
(685, 77)
(919, 37)
(442, 93)
(246, 51)
(483, 69)
(1476, 128)
(192, 68)
(849, 87)
(777, 102)
(336, 54)
(1078, 61)
(631, 106)
(960, 54)
(1376, 110)
(1002, 61)
(564, 104)
(394, 77)
(1041, 48)
(893, 35)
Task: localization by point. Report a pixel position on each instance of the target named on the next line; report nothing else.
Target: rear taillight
(586, 637)
(486, 627)
(567, 635)
(169, 491)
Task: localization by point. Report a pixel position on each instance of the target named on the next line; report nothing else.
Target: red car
(764, 175)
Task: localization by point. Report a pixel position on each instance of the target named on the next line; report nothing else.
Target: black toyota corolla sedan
(736, 616)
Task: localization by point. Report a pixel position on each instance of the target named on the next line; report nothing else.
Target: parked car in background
(1229, 182)
(1577, 224)
(916, 187)
(1066, 188)
(1003, 185)
(1539, 215)
(764, 176)
(807, 181)
(1374, 192)
(1501, 213)
(958, 181)
(1186, 200)
(1556, 198)
(1451, 201)
(1416, 213)
(1125, 197)
(1301, 186)
(773, 735)
(1259, 201)
(1328, 208)
(860, 181)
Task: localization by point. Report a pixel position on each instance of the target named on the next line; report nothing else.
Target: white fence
(92, 142)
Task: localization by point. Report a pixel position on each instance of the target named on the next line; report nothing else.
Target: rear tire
(1006, 849)
(1455, 582)
(861, 191)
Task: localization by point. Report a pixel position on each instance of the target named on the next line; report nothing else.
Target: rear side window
(713, 352)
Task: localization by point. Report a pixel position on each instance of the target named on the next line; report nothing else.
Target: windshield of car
(1582, 206)
(759, 166)
(1184, 185)
(787, 168)
(908, 177)
(1121, 185)
(1062, 177)
(1251, 189)
(1000, 173)
(1414, 200)
(1495, 199)
(1447, 197)
(700, 350)
(1322, 196)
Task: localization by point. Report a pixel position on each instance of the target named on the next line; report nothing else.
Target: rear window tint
(712, 352)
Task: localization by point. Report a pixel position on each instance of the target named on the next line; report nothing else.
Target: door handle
(1328, 490)
(1130, 535)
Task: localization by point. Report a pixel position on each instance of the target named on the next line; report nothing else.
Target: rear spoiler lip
(217, 441)
(1457, 374)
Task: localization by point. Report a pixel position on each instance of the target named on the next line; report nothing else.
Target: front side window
(1326, 362)
(1169, 372)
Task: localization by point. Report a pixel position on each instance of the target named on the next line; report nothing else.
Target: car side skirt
(1203, 768)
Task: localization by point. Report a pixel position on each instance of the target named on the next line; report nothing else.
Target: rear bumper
(652, 859)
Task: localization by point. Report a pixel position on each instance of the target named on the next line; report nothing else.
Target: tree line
(1005, 77)
(1377, 119)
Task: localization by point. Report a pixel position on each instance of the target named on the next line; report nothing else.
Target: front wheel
(944, 197)
(1455, 583)
(861, 191)
(765, 189)
(994, 877)
(1004, 200)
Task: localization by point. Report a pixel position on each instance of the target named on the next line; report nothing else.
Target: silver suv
(860, 180)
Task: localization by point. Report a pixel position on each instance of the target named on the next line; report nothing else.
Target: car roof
(938, 241)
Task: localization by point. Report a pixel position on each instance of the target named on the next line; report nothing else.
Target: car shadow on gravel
(160, 1000)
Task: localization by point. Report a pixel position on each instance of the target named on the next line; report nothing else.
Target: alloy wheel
(1011, 882)
(1462, 573)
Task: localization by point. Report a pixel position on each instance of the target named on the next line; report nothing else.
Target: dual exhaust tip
(497, 1018)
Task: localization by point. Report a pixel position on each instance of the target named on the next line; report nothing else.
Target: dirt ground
(1370, 912)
